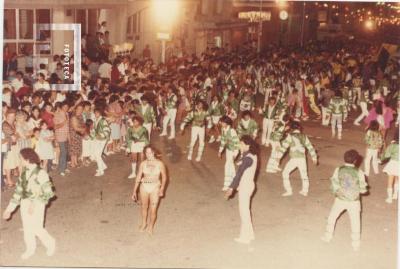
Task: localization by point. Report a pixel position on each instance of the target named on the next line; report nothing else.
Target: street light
(369, 24)
(281, 3)
(165, 12)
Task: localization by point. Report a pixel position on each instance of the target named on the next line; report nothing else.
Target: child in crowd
(35, 137)
(392, 168)
(298, 143)
(338, 110)
(44, 147)
(87, 143)
(374, 140)
(348, 181)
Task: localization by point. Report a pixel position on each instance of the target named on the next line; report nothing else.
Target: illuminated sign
(255, 16)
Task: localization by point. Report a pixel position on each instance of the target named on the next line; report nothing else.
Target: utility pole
(259, 29)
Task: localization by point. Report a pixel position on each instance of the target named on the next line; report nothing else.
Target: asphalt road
(95, 222)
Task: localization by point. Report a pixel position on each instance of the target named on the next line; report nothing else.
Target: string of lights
(375, 14)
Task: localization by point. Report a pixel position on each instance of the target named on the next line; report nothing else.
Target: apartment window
(12, 47)
(134, 23)
(25, 48)
(80, 18)
(26, 24)
(93, 20)
(20, 35)
(43, 17)
(10, 29)
(138, 22)
(129, 26)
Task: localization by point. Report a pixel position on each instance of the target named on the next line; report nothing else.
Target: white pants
(354, 209)
(364, 112)
(357, 94)
(149, 127)
(372, 154)
(197, 133)
(337, 120)
(325, 116)
(268, 125)
(291, 165)
(246, 225)
(87, 148)
(229, 168)
(273, 161)
(169, 118)
(33, 225)
(98, 152)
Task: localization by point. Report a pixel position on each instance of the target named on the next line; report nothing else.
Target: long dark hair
(253, 146)
(157, 154)
(30, 155)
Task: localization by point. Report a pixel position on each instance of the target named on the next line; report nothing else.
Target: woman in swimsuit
(151, 188)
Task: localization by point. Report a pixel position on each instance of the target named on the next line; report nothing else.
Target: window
(43, 49)
(93, 21)
(12, 47)
(25, 48)
(10, 29)
(138, 23)
(134, 23)
(80, 18)
(20, 35)
(26, 24)
(43, 17)
(129, 26)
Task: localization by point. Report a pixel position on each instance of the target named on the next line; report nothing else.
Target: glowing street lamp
(369, 24)
(281, 3)
(165, 14)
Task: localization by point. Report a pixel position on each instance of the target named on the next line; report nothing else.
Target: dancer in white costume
(32, 193)
(244, 182)
(137, 138)
(230, 142)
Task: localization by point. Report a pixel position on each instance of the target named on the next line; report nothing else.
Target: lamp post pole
(302, 25)
(163, 44)
(259, 29)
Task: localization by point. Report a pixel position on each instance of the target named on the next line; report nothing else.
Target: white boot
(200, 153)
(390, 195)
(288, 188)
(218, 139)
(304, 190)
(133, 174)
(395, 191)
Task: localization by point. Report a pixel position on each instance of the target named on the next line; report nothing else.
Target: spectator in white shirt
(41, 83)
(123, 66)
(43, 70)
(18, 82)
(53, 64)
(105, 69)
